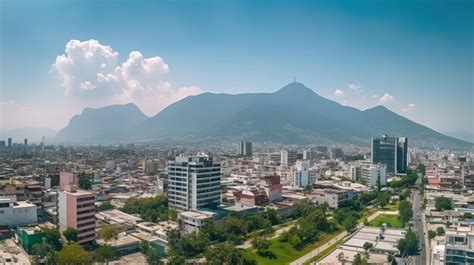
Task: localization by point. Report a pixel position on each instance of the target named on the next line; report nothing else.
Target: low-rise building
(14, 213)
(193, 220)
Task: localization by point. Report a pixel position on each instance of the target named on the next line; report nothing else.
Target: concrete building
(335, 197)
(391, 151)
(193, 220)
(245, 149)
(337, 153)
(288, 158)
(14, 213)
(76, 209)
(371, 174)
(301, 174)
(459, 247)
(194, 182)
(150, 167)
(12, 187)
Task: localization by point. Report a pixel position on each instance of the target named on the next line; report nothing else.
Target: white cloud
(409, 108)
(90, 71)
(354, 86)
(375, 96)
(344, 102)
(338, 93)
(386, 98)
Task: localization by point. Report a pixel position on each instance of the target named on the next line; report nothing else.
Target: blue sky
(419, 54)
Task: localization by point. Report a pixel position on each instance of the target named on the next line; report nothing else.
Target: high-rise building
(288, 157)
(337, 153)
(76, 209)
(301, 174)
(25, 142)
(245, 148)
(194, 182)
(150, 167)
(402, 154)
(391, 151)
(2, 144)
(9, 142)
(371, 174)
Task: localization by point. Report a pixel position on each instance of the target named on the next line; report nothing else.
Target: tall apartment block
(245, 148)
(194, 182)
(76, 209)
(391, 151)
(459, 247)
(288, 158)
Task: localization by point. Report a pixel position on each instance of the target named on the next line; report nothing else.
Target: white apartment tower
(301, 174)
(194, 182)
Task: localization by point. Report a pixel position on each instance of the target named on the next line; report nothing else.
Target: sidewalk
(323, 247)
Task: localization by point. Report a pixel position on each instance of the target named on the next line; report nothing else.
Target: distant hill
(33, 134)
(294, 114)
(106, 124)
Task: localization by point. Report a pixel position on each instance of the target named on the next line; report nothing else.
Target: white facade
(13, 213)
(301, 174)
(370, 174)
(194, 182)
(193, 220)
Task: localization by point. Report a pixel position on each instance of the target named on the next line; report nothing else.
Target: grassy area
(324, 252)
(368, 212)
(391, 207)
(284, 253)
(257, 233)
(390, 220)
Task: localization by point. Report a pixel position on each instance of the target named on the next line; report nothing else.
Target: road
(418, 227)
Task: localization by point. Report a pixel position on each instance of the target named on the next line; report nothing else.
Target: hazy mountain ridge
(294, 114)
(105, 124)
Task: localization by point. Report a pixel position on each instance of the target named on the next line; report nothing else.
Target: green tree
(85, 181)
(45, 253)
(273, 216)
(383, 198)
(74, 254)
(409, 244)
(108, 233)
(440, 231)
(359, 260)
(52, 237)
(105, 254)
(194, 243)
(367, 246)
(225, 254)
(105, 206)
(405, 211)
(176, 260)
(431, 234)
(349, 222)
(295, 241)
(443, 203)
(153, 257)
(70, 234)
(261, 244)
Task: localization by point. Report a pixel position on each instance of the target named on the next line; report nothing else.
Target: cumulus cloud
(91, 72)
(409, 108)
(354, 86)
(386, 98)
(338, 93)
(375, 96)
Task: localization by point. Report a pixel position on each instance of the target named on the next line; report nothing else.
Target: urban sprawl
(241, 203)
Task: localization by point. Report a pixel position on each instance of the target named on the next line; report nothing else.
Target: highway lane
(418, 228)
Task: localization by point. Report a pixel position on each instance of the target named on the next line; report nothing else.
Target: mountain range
(294, 114)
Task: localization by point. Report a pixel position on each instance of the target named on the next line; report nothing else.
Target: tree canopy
(409, 244)
(74, 254)
(443, 203)
(70, 234)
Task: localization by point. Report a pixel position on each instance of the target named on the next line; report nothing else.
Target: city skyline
(409, 57)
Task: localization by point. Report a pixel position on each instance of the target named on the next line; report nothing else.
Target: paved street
(418, 227)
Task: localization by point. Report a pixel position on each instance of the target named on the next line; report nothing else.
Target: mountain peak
(295, 88)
